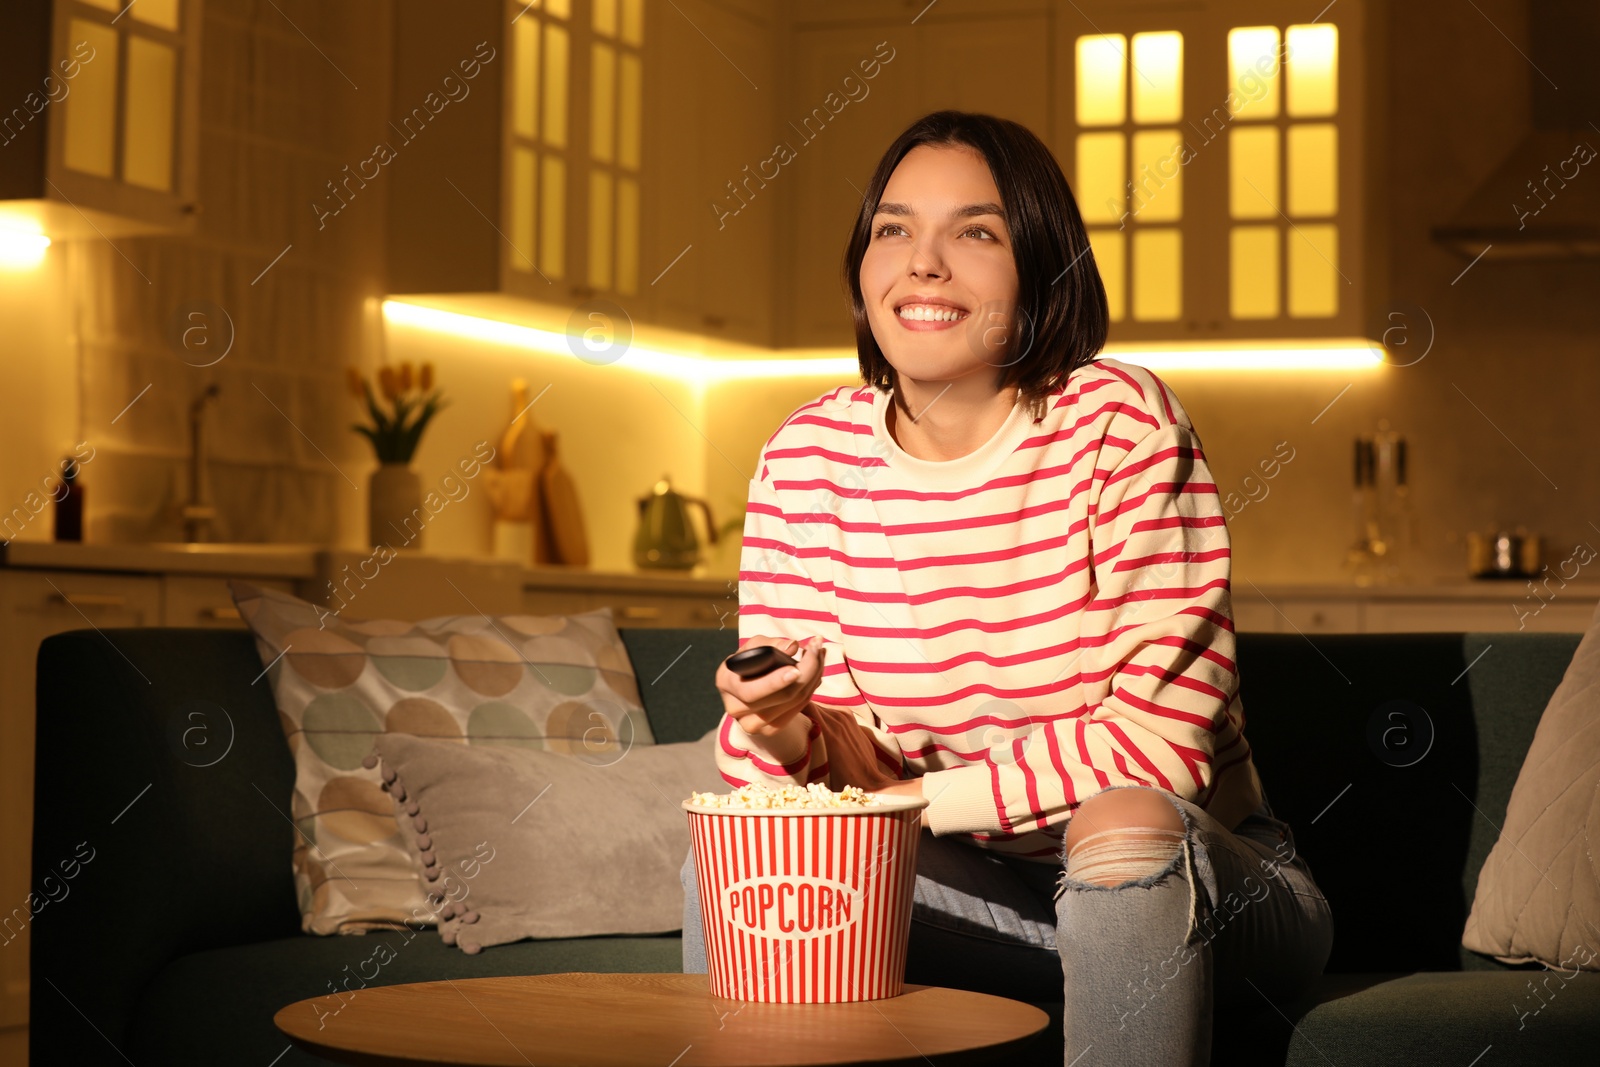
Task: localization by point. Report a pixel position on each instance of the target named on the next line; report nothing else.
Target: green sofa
(180, 938)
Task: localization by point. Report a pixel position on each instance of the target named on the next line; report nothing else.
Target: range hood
(1543, 200)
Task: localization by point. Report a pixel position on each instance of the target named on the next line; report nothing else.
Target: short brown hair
(1065, 308)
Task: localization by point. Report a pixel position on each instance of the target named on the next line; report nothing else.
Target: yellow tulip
(427, 377)
(387, 383)
(405, 377)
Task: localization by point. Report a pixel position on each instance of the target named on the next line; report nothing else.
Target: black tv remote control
(757, 660)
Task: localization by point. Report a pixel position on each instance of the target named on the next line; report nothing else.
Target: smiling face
(939, 235)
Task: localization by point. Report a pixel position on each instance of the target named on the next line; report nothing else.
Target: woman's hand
(768, 708)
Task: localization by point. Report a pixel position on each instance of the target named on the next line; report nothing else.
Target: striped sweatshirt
(1020, 627)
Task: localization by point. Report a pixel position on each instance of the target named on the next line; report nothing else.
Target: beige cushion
(561, 682)
(1538, 896)
(513, 843)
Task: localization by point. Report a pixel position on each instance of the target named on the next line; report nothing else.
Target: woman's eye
(886, 227)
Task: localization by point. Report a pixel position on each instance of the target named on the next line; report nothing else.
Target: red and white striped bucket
(806, 905)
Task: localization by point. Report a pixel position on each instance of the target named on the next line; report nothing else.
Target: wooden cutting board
(569, 541)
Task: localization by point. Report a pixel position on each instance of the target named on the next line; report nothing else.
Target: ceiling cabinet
(1216, 153)
(715, 172)
(700, 164)
(101, 133)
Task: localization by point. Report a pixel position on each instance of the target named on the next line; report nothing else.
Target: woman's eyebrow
(986, 208)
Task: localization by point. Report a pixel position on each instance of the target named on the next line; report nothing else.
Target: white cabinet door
(1487, 616)
(711, 188)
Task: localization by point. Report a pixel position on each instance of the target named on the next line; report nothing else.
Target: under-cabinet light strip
(1336, 354)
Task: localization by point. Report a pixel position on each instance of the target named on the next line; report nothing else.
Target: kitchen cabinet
(1487, 607)
(636, 600)
(187, 600)
(599, 171)
(595, 137)
(102, 128)
(1217, 152)
(993, 59)
(712, 182)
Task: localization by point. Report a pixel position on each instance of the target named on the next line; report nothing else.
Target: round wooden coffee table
(650, 1020)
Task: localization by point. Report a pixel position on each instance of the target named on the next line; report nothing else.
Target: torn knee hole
(1125, 854)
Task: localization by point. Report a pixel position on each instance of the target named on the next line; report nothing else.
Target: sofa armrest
(162, 784)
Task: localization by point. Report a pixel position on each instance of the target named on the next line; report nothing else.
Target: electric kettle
(666, 539)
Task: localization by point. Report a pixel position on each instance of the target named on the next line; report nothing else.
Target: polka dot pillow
(561, 683)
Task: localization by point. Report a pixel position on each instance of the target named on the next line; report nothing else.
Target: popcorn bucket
(806, 905)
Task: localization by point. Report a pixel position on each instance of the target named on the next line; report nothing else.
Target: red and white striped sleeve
(1156, 657)
(779, 596)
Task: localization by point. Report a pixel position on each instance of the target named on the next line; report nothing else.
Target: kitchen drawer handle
(640, 611)
(220, 613)
(91, 600)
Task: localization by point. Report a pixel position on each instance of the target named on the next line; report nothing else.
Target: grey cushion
(515, 843)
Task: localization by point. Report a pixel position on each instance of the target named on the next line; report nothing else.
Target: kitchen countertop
(306, 561)
(1423, 589)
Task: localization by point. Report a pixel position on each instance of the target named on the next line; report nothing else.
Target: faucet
(198, 513)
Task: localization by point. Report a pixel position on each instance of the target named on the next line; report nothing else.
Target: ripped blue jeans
(1234, 918)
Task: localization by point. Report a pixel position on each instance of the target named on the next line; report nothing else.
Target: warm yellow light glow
(21, 249)
(1313, 53)
(1158, 76)
(1102, 177)
(691, 368)
(1253, 71)
(1332, 354)
(1102, 65)
(1351, 353)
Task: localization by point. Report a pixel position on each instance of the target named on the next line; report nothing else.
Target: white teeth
(930, 313)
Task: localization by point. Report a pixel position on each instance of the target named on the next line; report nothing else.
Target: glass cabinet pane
(162, 13)
(1253, 70)
(1157, 274)
(149, 117)
(555, 86)
(1158, 175)
(630, 107)
(89, 144)
(600, 221)
(522, 201)
(525, 77)
(552, 217)
(633, 22)
(1313, 62)
(602, 102)
(1101, 180)
(1102, 77)
(1158, 76)
(1313, 270)
(1253, 172)
(627, 236)
(1253, 272)
(1313, 169)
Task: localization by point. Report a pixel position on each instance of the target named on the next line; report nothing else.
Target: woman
(1004, 568)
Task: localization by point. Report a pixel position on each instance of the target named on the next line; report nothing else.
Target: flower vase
(394, 507)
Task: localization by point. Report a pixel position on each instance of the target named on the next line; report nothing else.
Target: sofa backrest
(201, 857)
(1395, 823)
